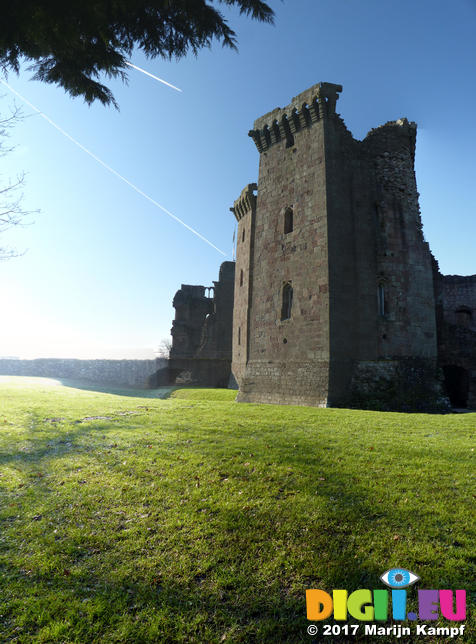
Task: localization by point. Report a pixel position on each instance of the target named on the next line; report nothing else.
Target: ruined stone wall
(202, 334)
(457, 337)
(397, 298)
(116, 372)
(192, 306)
(459, 300)
(404, 263)
(375, 239)
(218, 325)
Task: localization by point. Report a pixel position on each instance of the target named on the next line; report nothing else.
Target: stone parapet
(246, 202)
(316, 103)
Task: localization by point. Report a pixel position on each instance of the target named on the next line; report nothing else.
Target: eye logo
(399, 578)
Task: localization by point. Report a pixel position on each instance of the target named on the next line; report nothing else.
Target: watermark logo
(368, 605)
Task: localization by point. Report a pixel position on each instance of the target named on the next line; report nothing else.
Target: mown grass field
(197, 519)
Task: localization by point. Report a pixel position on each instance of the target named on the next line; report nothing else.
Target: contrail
(108, 167)
(161, 80)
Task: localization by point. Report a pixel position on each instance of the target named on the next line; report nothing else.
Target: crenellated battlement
(246, 202)
(316, 103)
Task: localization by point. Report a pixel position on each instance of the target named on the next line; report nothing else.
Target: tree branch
(11, 195)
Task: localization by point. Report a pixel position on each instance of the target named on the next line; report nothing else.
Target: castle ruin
(338, 300)
(201, 334)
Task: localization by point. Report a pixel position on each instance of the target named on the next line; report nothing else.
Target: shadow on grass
(99, 609)
(219, 589)
(220, 595)
(116, 390)
(240, 572)
(62, 437)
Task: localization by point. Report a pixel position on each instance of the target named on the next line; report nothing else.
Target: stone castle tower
(334, 285)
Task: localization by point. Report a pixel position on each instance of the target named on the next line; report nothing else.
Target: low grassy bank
(197, 519)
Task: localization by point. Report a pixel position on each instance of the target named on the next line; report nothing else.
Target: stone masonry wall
(406, 384)
(459, 294)
(288, 359)
(192, 304)
(217, 329)
(116, 372)
(346, 273)
(202, 334)
(457, 334)
(244, 210)
(407, 327)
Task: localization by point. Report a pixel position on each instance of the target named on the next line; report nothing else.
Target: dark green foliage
(72, 43)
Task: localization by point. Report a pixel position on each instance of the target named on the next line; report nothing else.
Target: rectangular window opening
(287, 301)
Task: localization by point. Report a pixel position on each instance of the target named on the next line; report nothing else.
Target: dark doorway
(457, 385)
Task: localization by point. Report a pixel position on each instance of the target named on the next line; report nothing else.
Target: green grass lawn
(196, 519)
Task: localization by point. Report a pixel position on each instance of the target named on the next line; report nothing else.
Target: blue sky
(102, 263)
